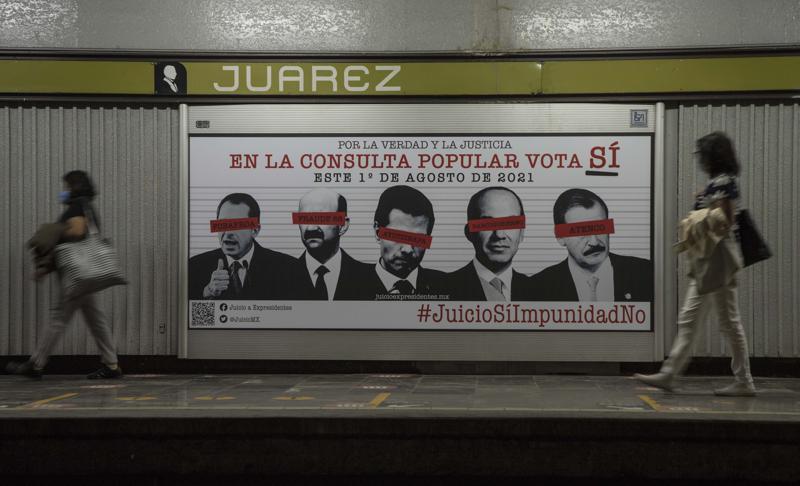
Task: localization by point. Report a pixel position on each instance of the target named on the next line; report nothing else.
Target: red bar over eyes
(585, 228)
(405, 237)
(496, 224)
(222, 225)
(336, 218)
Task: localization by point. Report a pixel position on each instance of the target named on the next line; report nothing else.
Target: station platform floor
(398, 425)
(387, 395)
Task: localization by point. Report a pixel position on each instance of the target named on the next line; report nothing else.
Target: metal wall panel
(767, 140)
(418, 118)
(132, 155)
(421, 346)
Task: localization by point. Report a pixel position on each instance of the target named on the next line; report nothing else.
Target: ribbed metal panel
(132, 155)
(427, 345)
(767, 139)
(418, 118)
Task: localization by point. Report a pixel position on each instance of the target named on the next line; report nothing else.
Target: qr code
(203, 314)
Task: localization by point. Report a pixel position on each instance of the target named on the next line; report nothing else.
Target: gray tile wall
(404, 26)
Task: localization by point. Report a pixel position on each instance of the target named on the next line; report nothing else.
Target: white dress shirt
(389, 279)
(605, 283)
(244, 263)
(334, 266)
(486, 276)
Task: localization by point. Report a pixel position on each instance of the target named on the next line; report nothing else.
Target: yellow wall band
(672, 75)
(417, 78)
(363, 78)
(76, 77)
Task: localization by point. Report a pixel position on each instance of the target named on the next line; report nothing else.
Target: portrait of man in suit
(241, 269)
(490, 275)
(398, 270)
(591, 272)
(329, 270)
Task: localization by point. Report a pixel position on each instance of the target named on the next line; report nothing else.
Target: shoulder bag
(88, 265)
(754, 248)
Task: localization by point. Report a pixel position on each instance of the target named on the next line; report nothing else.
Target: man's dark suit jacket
(633, 281)
(271, 275)
(352, 278)
(366, 285)
(465, 284)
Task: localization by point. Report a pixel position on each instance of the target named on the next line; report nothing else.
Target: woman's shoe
(658, 380)
(24, 368)
(105, 373)
(737, 389)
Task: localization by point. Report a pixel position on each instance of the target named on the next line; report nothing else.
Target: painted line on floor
(39, 403)
(379, 398)
(652, 403)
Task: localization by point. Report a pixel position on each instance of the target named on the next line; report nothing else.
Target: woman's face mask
(63, 196)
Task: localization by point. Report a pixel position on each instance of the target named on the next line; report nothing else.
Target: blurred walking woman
(712, 275)
(72, 225)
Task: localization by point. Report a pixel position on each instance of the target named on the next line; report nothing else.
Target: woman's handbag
(754, 248)
(88, 265)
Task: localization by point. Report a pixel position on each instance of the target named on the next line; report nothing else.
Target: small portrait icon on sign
(170, 78)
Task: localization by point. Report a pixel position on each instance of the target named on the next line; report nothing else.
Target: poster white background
(278, 190)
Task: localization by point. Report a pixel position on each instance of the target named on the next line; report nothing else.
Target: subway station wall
(408, 26)
(132, 153)
(767, 139)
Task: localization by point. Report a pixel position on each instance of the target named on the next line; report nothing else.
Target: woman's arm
(76, 229)
(727, 208)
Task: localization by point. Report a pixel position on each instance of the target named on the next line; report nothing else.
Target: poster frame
(655, 348)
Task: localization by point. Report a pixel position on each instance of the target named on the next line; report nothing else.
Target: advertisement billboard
(420, 231)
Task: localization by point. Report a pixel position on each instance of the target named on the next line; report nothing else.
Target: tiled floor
(391, 395)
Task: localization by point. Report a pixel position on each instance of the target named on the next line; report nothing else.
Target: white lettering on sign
(349, 77)
(352, 79)
(235, 85)
(285, 76)
(393, 70)
(318, 77)
(249, 80)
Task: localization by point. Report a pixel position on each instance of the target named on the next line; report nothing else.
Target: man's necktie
(236, 282)
(592, 281)
(402, 287)
(499, 286)
(320, 289)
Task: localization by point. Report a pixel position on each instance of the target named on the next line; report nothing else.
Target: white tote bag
(88, 265)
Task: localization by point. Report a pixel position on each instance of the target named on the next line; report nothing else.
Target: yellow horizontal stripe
(671, 75)
(356, 78)
(413, 78)
(76, 77)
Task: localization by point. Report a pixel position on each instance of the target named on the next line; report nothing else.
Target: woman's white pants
(692, 315)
